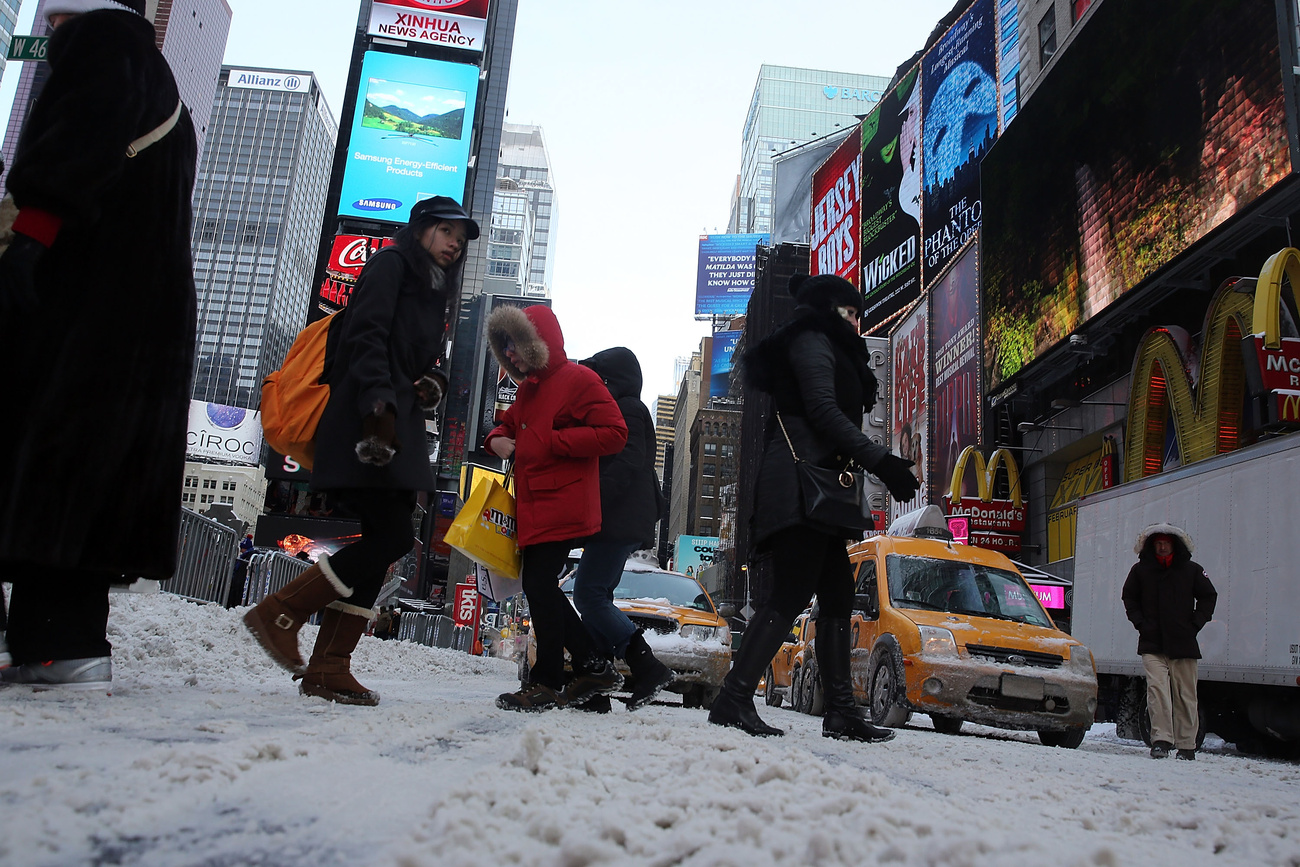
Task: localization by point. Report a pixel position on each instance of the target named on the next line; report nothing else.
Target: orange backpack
(294, 398)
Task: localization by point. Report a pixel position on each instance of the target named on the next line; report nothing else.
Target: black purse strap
(846, 478)
(796, 457)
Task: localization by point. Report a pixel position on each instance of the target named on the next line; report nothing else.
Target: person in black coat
(370, 444)
(816, 369)
(630, 505)
(1168, 597)
(97, 321)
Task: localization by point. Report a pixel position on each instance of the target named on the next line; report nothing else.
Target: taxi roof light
(927, 522)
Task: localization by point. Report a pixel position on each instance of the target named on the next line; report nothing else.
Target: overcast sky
(642, 105)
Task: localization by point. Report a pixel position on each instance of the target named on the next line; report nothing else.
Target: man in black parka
(97, 319)
(1168, 597)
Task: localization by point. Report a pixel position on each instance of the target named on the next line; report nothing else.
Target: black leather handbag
(833, 497)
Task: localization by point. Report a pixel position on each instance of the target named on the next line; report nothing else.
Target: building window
(710, 469)
(728, 451)
(187, 498)
(710, 448)
(1077, 8)
(706, 510)
(707, 490)
(205, 498)
(191, 481)
(210, 483)
(1047, 36)
(226, 498)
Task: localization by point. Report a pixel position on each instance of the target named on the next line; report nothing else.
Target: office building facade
(258, 203)
(789, 107)
(8, 21)
(526, 161)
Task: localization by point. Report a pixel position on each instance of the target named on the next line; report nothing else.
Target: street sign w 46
(28, 48)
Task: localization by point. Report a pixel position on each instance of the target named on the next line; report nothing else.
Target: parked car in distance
(777, 680)
(681, 624)
(954, 631)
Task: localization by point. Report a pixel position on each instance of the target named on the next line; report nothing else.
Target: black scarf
(765, 364)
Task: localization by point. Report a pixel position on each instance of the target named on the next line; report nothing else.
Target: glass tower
(525, 160)
(258, 206)
(790, 107)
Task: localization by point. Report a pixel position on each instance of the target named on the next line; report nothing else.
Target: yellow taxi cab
(778, 680)
(681, 624)
(953, 631)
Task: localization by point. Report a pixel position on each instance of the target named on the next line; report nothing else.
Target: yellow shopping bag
(484, 530)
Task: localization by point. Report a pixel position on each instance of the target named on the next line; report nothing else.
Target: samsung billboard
(410, 136)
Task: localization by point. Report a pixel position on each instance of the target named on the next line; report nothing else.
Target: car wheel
(948, 725)
(816, 700)
(770, 695)
(886, 685)
(1067, 740)
(796, 689)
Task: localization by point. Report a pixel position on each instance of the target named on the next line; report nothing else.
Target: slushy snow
(205, 754)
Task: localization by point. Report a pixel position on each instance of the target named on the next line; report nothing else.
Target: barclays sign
(855, 93)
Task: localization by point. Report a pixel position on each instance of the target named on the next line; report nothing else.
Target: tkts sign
(994, 524)
(1273, 361)
(453, 23)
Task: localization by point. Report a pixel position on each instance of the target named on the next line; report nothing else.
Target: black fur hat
(825, 292)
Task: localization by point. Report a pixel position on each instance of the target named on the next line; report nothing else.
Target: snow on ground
(206, 755)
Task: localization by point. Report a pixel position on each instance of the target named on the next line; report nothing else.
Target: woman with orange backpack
(370, 445)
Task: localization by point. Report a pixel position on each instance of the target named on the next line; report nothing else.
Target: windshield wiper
(917, 603)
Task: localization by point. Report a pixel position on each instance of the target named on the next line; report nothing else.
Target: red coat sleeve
(602, 430)
(505, 429)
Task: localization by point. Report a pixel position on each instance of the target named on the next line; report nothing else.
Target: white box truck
(1242, 510)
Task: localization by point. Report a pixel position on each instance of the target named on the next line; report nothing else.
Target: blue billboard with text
(410, 135)
(725, 278)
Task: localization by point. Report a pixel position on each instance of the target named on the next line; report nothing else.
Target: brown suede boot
(329, 674)
(275, 620)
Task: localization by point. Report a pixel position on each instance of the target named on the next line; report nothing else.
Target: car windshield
(961, 588)
(677, 589)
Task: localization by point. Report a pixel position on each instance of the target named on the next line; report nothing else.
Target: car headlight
(706, 633)
(1081, 659)
(937, 641)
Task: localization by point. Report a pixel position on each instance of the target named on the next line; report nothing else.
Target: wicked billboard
(1131, 151)
(891, 203)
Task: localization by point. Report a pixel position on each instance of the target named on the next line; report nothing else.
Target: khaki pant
(1171, 699)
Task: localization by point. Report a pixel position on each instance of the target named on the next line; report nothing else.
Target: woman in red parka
(562, 421)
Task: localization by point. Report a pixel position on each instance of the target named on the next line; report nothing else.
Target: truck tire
(1144, 718)
(887, 685)
(1067, 740)
(770, 695)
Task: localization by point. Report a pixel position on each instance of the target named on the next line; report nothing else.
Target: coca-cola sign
(348, 256)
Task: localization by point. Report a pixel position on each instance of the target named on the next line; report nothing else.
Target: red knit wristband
(40, 225)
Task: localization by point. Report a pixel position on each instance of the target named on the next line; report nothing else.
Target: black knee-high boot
(842, 718)
(734, 705)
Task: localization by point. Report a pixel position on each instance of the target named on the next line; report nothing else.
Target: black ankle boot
(650, 674)
(734, 706)
(842, 718)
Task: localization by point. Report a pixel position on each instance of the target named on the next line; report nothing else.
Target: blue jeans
(598, 573)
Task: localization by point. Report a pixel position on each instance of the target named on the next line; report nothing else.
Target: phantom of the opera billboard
(453, 23)
(891, 203)
(954, 364)
(836, 208)
(959, 87)
(348, 256)
(725, 273)
(1131, 150)
(410, 136)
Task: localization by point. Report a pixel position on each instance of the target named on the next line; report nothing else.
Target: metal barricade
(462, 638)
(206, 554)
(268, 572)
(443, 627)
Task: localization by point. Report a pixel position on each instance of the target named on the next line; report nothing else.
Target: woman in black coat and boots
(630, 503)
(816, 369)
(370, 449)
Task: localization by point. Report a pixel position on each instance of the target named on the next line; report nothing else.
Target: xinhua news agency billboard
(453, 23)
(725, 278)
(410, 136)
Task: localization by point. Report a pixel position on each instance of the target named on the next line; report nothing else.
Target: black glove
(18, 275)
(430, 388)
(378, 438)
(896, 473)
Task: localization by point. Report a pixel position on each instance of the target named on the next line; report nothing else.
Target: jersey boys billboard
(960, 92)
(725, 275)
(410, 135)
(454, 23)
(836, 199)
(891, 203)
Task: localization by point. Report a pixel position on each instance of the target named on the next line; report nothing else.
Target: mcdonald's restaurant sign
(993, 524)
(1273, 361)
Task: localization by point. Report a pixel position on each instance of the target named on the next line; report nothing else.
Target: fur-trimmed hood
(761, 364)
(537, 337)
(620, 370)
(1183, 546)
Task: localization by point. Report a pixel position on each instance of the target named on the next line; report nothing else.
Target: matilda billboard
(1169, 132)
(891, 203)
(454, 23)
(836, 199)
(725, 276)
(959, 86)
(410, 135)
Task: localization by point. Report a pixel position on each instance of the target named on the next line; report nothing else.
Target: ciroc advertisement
(224, 433)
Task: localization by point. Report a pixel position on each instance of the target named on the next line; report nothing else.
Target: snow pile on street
(205, 754)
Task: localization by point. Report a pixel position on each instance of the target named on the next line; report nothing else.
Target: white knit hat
(78, 7)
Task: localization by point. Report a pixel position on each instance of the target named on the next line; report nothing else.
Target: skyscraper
(258, 204)
(789, 107)
(510, 242)
(191, 35)
(8, 21)
(525, 160)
